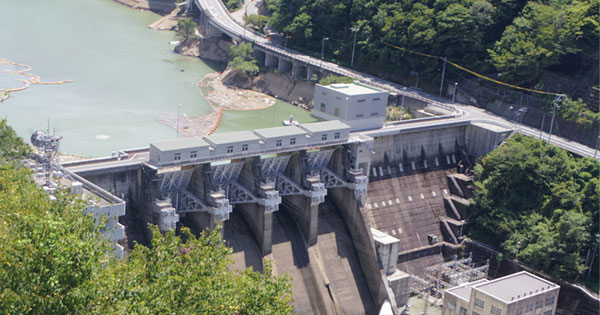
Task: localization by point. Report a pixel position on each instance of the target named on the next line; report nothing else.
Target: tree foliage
(332, 79)
(55, 260)
(538, 203)
(242, 59)
(520, 39)
(233, 5)
(11, 145)
(258, 21)
(186, 29)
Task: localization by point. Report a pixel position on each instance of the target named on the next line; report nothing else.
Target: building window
(550, 300)
(359, 115)
(324, 137)
(475, 313)
(548, 313)
(336, 135)
(519, 310)
(177, 156)
(278, 143)
(336, 112)
(539, 304)
(462, 311)
(230, 149)
(244, 147)
(376, 99)
(361, 100)
(495, 311)
(293, 141)
(322, 107)
(478, 303)
(193, 154)
(374, 114)
(451, 306)
(529, 308)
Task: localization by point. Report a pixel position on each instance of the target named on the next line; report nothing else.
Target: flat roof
(178, 144)
(383, 237)
(353, 88)
(283, 131)
(232, 137)
(464, 291)
(321, 126)
(516, 286)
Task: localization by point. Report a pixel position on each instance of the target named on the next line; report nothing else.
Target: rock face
(207, 49)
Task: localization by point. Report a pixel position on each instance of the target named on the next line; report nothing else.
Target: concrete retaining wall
(412, 146)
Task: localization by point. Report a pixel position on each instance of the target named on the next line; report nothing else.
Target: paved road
(222, 18)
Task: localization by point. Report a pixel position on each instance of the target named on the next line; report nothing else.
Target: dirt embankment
(158, 6)
(281, 86)
(213, 49)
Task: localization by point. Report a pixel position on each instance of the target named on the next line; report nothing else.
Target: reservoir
(126, 77)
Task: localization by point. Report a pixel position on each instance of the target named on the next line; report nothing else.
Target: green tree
(233, 5)
(332, 79)
(242, 59)
(541, 35)
(257, 20)
(186, 29)
(537, 203)
(11, 145)
(56, 260)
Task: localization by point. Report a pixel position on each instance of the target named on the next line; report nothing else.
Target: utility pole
(454, 94)
(596, 148)
(417, 74)
(554, 106)
(323, 49)
(443, 72)
(178, 110)
(355, 30)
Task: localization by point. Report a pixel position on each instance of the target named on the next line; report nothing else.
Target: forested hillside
(539, 204)
(513, 39)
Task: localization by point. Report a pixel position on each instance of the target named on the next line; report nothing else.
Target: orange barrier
(218, 121)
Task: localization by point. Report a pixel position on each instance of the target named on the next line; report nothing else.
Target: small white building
(359, 105)
(173, 150)
(284, 136)
(520, 293)
(326, 131)
(233, 142)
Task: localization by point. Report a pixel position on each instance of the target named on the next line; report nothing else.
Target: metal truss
(329, 178)
(319, 159)
(184, 201)
(284, 185)
(236, 193)
(227, 172)
(174, 181)
(274, 165)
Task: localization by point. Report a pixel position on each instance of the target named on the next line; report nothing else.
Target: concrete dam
(353, 220)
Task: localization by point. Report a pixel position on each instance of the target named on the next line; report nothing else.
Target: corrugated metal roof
(231, 137)
(330, 125)
(178, 144)
(283, 131)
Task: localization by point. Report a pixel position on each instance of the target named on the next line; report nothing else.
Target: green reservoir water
(127, 77)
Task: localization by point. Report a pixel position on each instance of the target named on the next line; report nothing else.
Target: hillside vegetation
(516, 39)
(55, 260)
(539, 204)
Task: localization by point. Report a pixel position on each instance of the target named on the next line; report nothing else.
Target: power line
(472, 72)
